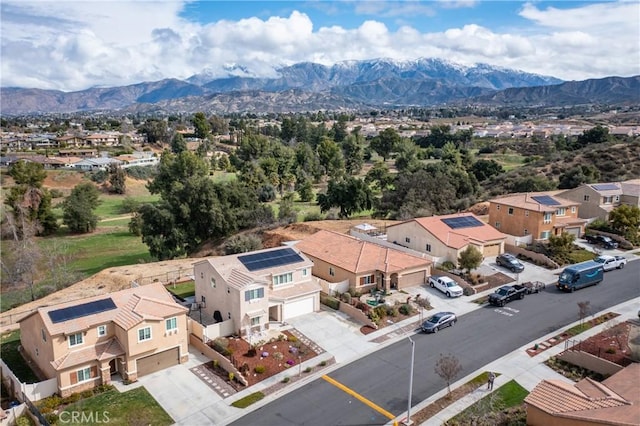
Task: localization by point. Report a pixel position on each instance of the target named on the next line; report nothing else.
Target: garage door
(573, 231)
(411, 280)
(491, 250)
(157, 362)
(299, 307)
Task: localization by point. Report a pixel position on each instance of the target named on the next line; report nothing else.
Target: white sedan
(446, 285)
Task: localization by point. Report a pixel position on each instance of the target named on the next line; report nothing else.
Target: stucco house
(598, 199)
(539, 214)
(444, 237)
(614, 401)
(364, 265)
(83, 343)
(257, 287)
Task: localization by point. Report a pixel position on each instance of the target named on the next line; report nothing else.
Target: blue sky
(72, 45)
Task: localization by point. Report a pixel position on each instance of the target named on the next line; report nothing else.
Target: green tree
(175, 169)
(385, 143)
(201, 125)
(625, 219)
(178, 144)
(597, 134)
(532, 184)
(578, 175)
(470, 258)
(305, 190)
(330, 156)
(484, 169)
(339, 129)
(350, 195)
(353, 152)
(379, 176)
(286, 211)
(78, 208)
(155, 131)
(561, 245)
(117, 179)
(406, 155)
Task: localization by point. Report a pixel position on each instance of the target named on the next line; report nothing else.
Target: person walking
(490, 381)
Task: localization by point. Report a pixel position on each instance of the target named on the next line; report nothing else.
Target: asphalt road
(478, 338)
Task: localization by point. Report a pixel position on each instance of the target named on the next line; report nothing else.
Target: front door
(113, 369)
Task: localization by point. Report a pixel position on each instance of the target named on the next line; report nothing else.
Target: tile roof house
(444, 237)
(598, 199)
(257, 287)
(83, 343)
(614, 401)
(365, 265)
(539, 214)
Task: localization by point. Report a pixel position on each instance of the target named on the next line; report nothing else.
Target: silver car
(438, 321)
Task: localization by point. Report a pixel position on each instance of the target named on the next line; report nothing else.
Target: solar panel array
(545, 200)
(462, 222)
(79, 311)
(605, 186)
(270, 259)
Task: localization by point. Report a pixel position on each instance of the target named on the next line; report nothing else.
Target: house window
(283, 278)
(586, 198)
(497, 225)
(44, 335)
(607, 200)
(510, 211)
(201, 275)
(369, 279)
(332, 272)
(229, 315)
(254, 294)
(561, 211)
(407, 239)
(573, 209)
(304, 272)
(213, 282)
(144, 334)
(203, 299)
(547, 218)
(545, 234)
(171, 324)
(255, 321)
(427, 247)
(616, 198)
(526, 213)
(102, 330)
(75, 339)
(37, 352)
(526, 231)
(498, 207)
(84, 374)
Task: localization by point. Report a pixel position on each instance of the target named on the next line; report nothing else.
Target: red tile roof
(526, 201)
(105, 350)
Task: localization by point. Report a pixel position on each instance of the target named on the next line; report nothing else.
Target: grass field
(9, 351)
(507, 161)
(509, 395)
(183, 290)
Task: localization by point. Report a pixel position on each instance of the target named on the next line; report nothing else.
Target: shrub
(468, 291)
(406, 309)
(611, 350)
(447, 265)
(278, 356)
(329, 301)
(292, 339)
(259, 369)
(322, 363)
(244, 368)
(391, 311)
(286, 379)
(242, 243)
(346, 297)
(24, 420)
(308, 370)
(231, 376)
(52, 418)
(56, 193)
(74, 397)
(86, 394)
(312, 217)
(374, 317)
(51, 402)
(381, 311)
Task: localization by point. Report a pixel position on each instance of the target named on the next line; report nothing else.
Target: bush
(278, 356)
(308, 370)
(447, 266)
(292, 339)
(74, 397)
(259, 369)
(391, 311)
(611, 350)
(86, 394)
(286, 379)
(406, 309)
(142, 173)
(129, 205)
(56, 193)
(346, 297)
(51, 418)
(329, 301)
(24, 420)
(51, 402)
(380, 311)
(322, 363)
(242, 243)
(468, 291)
(312, 217)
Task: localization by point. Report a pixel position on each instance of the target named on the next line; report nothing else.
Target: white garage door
(299, 307)
(573, 231)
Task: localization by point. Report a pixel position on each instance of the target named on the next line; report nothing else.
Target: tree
(379, 176)
(242, 243)
(576, 176)
(156, 131)
(351, 195)
(584, 308)
(78, 208)
(626, 220)
(562, 244)
(201, 125)
(353, 153)
(330, 156)
(484, 169)
(470, 258)
(305, 190)
(385, 143)
(448, 367)
(21, 258)
(178, 144)
(286, 212)
(597, 134)
(117, 179)
(406, 155)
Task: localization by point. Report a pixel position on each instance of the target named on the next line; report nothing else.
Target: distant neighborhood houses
(91, 160)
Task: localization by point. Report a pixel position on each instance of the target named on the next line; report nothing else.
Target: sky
(75, 45)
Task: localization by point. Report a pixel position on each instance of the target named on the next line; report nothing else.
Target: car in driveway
(439, 321)
(601, 240)
(510, 262)
(446, 285)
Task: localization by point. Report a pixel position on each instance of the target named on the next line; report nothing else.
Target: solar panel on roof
(462, 222)
(83, 310)
(605, 187)
(270, 259)
(545, 200)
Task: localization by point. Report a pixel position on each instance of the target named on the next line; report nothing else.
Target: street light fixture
(413, 351)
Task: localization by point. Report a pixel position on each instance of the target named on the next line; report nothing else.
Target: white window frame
(526, 231)
(526, 213)
(546, 218)
(545, 235)
(304, 272)
(171, 324)
(255, 321)
(253, 294)
(101, 330)
(498, 207)
(573, 209)
(286, 278)
(75, 340)
(144, 337)
(84, 372)
(561, 211)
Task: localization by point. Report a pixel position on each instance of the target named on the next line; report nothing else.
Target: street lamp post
(413, 347)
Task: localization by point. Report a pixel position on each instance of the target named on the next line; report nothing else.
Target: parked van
(580, 275)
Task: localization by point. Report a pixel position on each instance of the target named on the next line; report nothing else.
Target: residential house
(138, 159)
(598, 199)
(365, 265)
(82, 343)
(445, 237)
(539, 214)
(257, 287)
(614, 401)
(102, 139)
(93, 164)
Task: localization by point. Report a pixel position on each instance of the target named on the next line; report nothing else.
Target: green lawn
(111, 205)
(510, 394)
(9, 352)
(183, 290)
(134, 407)
(507, 161)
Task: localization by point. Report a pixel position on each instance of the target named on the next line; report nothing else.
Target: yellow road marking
(359, 397)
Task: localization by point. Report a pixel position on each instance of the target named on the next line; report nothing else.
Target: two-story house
(83, 343)
(364, 265)
(257, 287)
(445, 237)
(598, 199)
(539, 214)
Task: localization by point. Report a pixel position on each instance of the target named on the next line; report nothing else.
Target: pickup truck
(601, 240)
(446, 285)
(611, 262)
(506, 294)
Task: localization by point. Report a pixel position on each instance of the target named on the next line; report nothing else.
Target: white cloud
(74, 45)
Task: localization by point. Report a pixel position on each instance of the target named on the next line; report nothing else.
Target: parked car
(601, 240)
(438, 321)
(446, 285)
(506, 294)
(510, 262)
(580, 275)
(611, 262)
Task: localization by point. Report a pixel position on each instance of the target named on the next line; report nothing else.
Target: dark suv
(602, 240)
(510, 262)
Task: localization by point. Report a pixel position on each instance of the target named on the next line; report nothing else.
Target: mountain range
(348, 85)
